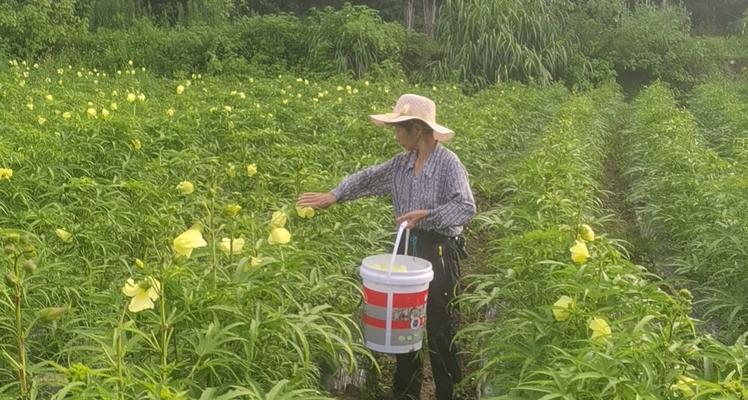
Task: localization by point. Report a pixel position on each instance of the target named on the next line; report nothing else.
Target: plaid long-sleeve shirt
(442, 188)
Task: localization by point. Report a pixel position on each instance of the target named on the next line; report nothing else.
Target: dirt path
(622, 225)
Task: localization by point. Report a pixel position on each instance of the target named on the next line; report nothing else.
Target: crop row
(692, 202)
(571, 316)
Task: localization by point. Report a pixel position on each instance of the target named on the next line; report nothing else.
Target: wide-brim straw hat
(413, 106)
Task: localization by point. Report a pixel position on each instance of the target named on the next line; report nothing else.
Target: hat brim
(441, 133)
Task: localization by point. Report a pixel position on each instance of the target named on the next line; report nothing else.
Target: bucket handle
(397, 245)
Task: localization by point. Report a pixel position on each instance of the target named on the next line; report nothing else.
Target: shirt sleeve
(373, 181)
(460, 206)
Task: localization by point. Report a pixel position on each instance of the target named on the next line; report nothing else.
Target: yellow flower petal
(586, 232)
(278, 219)
(562, 308)
(600, 329)
(279, 236)
(684, 386)
(154, 289)
(6, 173)
(188, 241)
(229, 246)
(130, 289)
(305, 212)
(64, 235)
(579, 252)
(251, 169)
(141, 301)
(186, 187)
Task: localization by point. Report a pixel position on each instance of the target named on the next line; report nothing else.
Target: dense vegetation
(152, 152)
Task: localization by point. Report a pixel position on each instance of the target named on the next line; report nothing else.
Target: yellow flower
(143, 294)
(104, 113)
(562, 308)
(67, 115)
(186, 187)
(279, 219)
(242, 95)
(600, 329)
(279, 236)
(41, 120)
(141, 97)
(91, 112)
(189, 240)
(228, 246)
(170, 112)
(113, 106)
(6, 173)
(30, 106)
(254, 262)
(579, 252)
(251, 169)
(228, 109)
(231, 170)
(232, 210)
(136, 145)
(139, 263)
(49, 98)
(684, 385)
(64, 235)
(131, 97)
(305, 212)
(180, 89)
(586, 232)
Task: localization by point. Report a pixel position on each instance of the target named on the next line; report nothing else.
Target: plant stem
(20, 335)
(120, 355)
(213, 240)
(164, 324)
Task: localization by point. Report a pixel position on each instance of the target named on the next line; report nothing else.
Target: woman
(430, 190)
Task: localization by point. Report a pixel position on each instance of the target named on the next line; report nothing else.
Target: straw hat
(413, 106)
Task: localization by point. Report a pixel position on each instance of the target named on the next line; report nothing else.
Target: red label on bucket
(402, 324)
(399, 300)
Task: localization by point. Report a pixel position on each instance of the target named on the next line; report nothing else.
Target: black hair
(410, 124)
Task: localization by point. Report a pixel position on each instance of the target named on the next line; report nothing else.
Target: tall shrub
(493, 41)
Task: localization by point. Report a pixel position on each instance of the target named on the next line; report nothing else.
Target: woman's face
(407, 138)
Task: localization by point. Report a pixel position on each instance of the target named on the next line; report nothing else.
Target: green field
(92, 165)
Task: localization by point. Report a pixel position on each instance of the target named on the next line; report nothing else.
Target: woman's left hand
(412, 217)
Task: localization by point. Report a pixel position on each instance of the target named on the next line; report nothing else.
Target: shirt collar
(429, 168)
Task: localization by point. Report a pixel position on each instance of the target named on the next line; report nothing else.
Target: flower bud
(30, 250)
(29, 266)
(232, 210)
(52, 313)
(686, 294)
(10, 279)
(10, 249)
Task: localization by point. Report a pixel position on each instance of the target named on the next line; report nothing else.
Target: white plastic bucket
(395, 295)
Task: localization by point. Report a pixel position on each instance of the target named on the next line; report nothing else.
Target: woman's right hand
(316, 200)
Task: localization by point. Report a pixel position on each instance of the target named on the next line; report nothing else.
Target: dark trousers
(441, 319)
